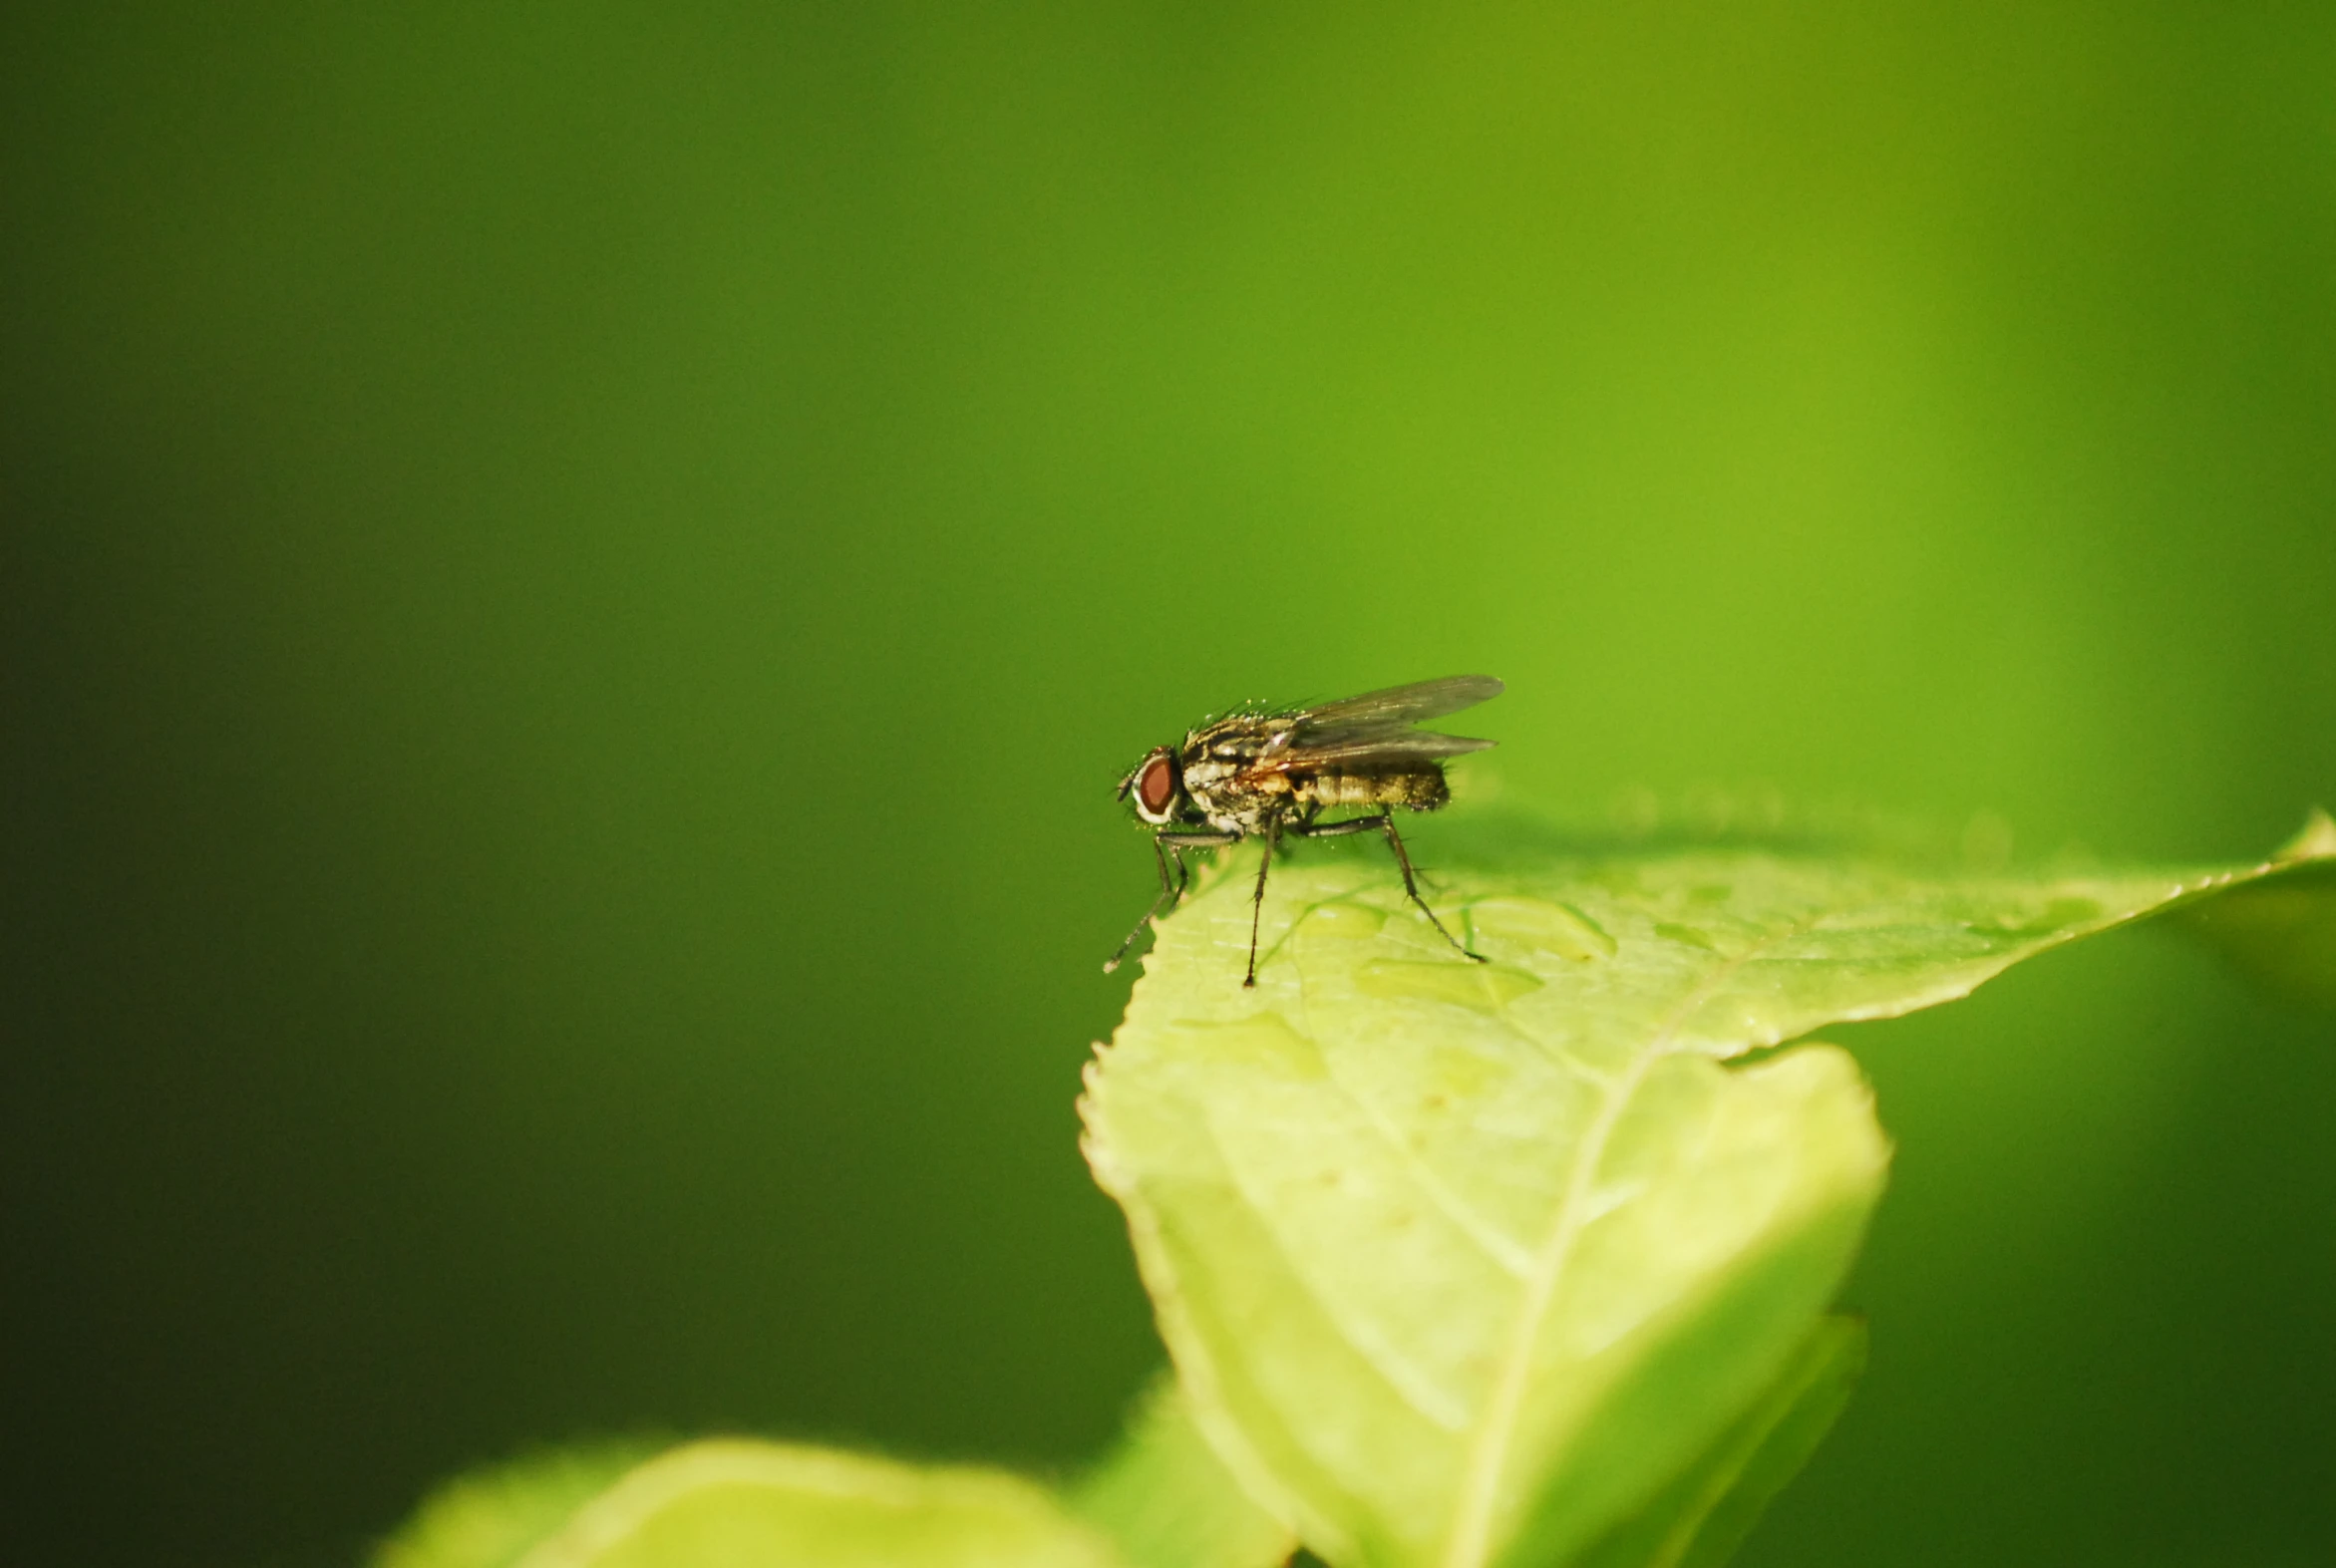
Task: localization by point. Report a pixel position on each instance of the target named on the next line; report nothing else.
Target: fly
(1273, 775)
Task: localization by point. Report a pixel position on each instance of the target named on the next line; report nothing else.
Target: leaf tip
(2315, 840)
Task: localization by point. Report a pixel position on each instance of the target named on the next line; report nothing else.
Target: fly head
(1157, 787)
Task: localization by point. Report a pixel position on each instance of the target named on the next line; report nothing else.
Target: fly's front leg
(1170, 892)
(1164, 845)
(1385, 823)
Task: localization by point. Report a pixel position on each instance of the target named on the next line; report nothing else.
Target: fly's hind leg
(1164, 844)
(1257, 900)
(1385, 823)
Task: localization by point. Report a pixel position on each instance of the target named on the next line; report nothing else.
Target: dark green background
(577, 578)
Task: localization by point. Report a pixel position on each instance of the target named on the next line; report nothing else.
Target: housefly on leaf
(1272, 775)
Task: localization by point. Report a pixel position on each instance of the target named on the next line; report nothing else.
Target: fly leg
(1385, 822)
(1257, 901)
(1164, 844)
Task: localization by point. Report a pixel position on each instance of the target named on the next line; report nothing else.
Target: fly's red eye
(1156, 786)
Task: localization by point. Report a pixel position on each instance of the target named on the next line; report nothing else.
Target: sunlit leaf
(1464, 1264)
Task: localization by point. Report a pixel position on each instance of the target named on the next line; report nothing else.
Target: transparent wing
(1377, 726)
(1388, 714)
(1397, 706)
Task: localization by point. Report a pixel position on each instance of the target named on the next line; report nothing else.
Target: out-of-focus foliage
(1161, 1500)
(738, 1504)
(2283, 933)
(493, 1517)
(1167, 1500)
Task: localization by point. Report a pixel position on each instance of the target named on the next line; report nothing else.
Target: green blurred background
(578, 577)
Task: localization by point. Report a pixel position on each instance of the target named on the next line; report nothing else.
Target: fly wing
(1397, 706)
(1377, 726)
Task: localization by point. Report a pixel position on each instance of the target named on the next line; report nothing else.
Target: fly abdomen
(1420, 789)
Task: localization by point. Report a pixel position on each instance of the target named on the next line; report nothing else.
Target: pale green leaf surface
(1166, 1499)
(1463, 1264)
(491, 1519)
(743, 1504)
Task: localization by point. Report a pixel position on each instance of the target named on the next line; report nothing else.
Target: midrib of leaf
(1470, 1544)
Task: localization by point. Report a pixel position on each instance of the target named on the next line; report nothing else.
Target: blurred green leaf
(491, 1519)
(744, 1504)
(1703, 1516)
(1165, 1498)
(2280, 931)
(1465, 1264)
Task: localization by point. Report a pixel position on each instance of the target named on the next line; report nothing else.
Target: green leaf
(744, 1504)
(1169, 1502)
(1464, 1264)
(490, 1519)
(1703, 1516)
(1162, 1498)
